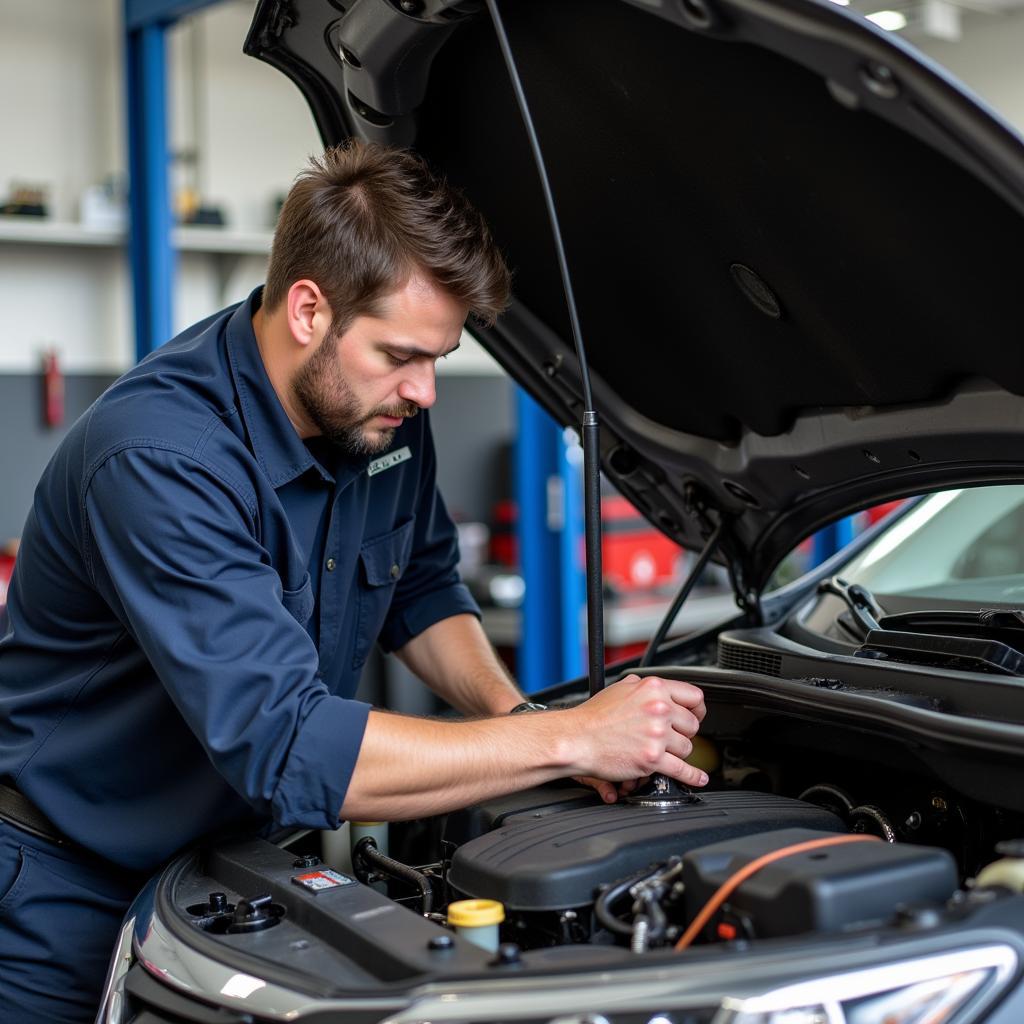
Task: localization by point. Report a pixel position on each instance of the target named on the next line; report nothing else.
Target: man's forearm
(410, 767)
(456, 660)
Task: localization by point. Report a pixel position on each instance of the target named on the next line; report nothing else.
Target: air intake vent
(742, 657)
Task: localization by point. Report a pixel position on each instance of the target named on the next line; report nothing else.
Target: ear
(308, 313)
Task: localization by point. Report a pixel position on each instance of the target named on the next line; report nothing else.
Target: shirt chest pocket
(299, 602)
(383, 561)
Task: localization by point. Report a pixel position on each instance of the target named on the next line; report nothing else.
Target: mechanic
(210, 555)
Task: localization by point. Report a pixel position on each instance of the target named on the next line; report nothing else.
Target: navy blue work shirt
(196, 592)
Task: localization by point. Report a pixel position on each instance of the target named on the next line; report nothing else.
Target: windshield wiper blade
(991, 640)
(963, 653)
(1001, 623)
(861, 602)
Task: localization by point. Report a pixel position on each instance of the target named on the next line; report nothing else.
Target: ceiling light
(891, 21)
(842, 3)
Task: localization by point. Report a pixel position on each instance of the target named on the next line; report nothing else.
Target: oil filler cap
(256, 914)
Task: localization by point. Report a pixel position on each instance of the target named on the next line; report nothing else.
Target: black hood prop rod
(660, 791)
(590, 432)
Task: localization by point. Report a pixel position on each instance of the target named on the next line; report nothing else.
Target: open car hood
(795, 244)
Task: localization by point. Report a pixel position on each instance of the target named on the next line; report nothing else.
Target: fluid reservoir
(336, 847)
(478, 921)
(1007, 872)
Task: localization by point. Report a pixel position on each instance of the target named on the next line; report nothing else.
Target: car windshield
(963, 546)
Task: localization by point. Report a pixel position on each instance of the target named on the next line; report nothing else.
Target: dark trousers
(60, 915)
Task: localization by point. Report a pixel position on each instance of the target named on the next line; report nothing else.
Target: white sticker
(389, 460)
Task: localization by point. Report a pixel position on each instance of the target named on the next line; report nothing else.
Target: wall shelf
(227, 249)
(40, 231)
(221, 240)
(210, 240)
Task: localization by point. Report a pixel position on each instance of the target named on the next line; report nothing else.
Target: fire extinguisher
(53, 390)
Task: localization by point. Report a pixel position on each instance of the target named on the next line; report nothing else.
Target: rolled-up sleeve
(173, 548)
(430, 589)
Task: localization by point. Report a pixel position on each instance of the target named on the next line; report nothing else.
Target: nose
(418, 386)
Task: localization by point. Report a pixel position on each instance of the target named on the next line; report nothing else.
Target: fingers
(606, 790)
(685, 723)
(683, 772)
(686, 694)
(679, 746)
(627, 787)
(688, 708)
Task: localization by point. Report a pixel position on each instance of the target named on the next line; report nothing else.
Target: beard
(333, 407)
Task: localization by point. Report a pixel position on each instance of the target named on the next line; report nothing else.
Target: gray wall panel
(473, 423)
(26, 444)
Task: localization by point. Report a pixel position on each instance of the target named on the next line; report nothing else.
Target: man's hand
(637, 727)
(610, 791)
(410, 768)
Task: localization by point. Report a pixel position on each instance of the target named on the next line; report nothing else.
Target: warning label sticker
(322, 880)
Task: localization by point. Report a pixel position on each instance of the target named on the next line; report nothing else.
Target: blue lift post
(831, 539)
(152, 253)
(572, 558)
(549, 528)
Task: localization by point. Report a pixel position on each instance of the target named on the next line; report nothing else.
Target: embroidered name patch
(389, 460)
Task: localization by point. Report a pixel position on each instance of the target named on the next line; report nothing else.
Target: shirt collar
(275, 442)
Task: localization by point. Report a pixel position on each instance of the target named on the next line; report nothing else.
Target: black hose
(861, 819)
(684, 592)
(615, 892)
(366, 851)
(824, 794)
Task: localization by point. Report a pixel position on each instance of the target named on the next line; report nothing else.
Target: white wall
(62, 126)
(249, 124)
(989, 59)
(60, 77)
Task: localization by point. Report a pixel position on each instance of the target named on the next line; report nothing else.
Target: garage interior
(144, 163)
(234, 133)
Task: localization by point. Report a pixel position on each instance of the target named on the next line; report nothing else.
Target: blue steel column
(549, 527)
(538, 657)
(152, 256)
(572, 558)
(831, 539)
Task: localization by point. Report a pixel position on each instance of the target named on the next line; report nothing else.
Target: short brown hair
(363, 217)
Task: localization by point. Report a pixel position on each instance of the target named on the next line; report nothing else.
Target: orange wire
(738, 878)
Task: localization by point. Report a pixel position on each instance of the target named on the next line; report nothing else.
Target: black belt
(18, 810)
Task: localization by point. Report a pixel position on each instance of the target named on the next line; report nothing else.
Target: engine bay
(638, 875)
(811, 832)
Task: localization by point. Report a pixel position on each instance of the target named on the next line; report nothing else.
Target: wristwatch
(528, 705)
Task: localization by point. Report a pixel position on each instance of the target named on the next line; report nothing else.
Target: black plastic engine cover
(824, 890)
(537, 860)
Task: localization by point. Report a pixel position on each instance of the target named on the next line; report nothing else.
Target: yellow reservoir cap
(475, 913)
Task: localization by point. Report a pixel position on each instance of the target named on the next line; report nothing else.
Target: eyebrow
(414, 350)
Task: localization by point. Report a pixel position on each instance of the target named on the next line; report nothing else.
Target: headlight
(926, 991)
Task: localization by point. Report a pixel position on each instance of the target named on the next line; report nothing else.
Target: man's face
(357, 388)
